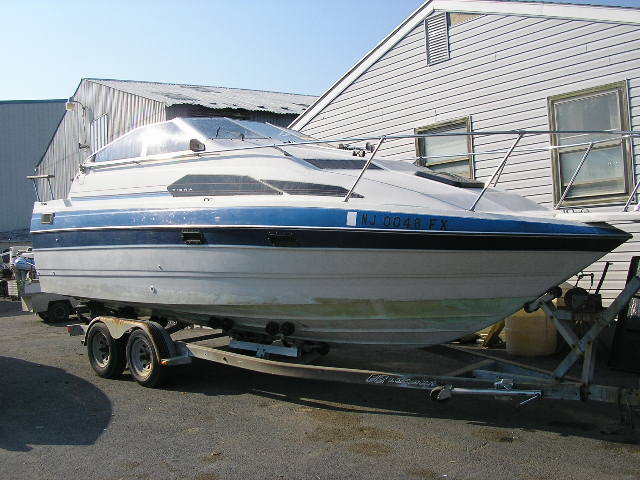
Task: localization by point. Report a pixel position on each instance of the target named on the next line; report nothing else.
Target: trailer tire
(106, 354)
(144, 360)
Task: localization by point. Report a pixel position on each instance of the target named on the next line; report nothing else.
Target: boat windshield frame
(254, 127)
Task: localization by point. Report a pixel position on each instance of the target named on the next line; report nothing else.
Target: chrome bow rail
(520, 134)
(612, 135)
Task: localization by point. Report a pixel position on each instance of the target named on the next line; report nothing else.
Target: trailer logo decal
(401, 380)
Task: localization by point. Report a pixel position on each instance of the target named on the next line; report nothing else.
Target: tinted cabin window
(449, 179)
(216, 185)
(332, 164)
(301, 188)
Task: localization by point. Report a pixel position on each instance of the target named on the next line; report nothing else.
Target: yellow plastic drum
(530, 334)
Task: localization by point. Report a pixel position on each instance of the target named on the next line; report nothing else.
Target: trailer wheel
(142, 357)
(58, 312)
(106, 354)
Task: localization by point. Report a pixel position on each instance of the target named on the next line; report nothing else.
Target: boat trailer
(146, 347)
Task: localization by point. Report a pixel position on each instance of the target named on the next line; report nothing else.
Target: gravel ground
(60, 421)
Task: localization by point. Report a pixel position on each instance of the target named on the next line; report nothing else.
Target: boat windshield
(226, 128)
(174, 136)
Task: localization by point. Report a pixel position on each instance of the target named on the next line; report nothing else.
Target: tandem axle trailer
(149, 351)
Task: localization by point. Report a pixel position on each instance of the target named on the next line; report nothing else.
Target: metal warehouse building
(26, 127)
(101, 110)
(477, 65)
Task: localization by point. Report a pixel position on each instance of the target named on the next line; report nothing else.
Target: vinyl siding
(501, 72)
(25, 130)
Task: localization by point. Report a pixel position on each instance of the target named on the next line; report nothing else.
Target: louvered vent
(437, 31)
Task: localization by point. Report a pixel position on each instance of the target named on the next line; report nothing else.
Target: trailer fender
(122, 327)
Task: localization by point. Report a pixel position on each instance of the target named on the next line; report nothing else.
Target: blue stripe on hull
(325, 238)
(310, 217)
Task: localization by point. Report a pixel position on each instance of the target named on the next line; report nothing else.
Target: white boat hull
(364, 296)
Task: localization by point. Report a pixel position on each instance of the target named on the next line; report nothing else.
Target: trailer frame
(488, 376)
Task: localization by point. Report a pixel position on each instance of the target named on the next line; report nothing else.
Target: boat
(267, 233)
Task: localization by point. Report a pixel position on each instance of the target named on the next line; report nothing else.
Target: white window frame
(442, 127)
(623, 96)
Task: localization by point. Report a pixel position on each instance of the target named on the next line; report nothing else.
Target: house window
(606, 175)
(450, 154)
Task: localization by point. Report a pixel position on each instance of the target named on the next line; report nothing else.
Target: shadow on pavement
(9, 308)
(42, 405)
(589, 420)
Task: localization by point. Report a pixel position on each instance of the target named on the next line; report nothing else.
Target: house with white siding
(480, 65)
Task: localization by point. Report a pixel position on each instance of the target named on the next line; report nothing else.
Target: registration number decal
(408, 222)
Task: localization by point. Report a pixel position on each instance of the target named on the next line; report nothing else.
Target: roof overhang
(621, 15)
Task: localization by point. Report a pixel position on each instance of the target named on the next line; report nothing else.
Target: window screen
(605, 173)
(446, 154)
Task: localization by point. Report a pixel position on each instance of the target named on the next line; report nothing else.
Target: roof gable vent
(437, 32)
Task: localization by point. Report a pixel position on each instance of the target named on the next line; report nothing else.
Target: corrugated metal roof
(213, 97)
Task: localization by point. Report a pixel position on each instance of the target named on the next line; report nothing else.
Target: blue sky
(298, 46)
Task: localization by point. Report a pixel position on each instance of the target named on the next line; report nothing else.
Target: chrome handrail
(627, 133)
(622, 134)
(35, 178)
(633, 192)
(574, 176)
(364, 169)
(497, 172)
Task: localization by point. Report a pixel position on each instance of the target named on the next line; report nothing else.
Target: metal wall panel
(115, 113)
(501, 71)
(25, 130)
(99, 132)
(71, 143)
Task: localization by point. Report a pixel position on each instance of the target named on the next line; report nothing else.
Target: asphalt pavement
(58, 420)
